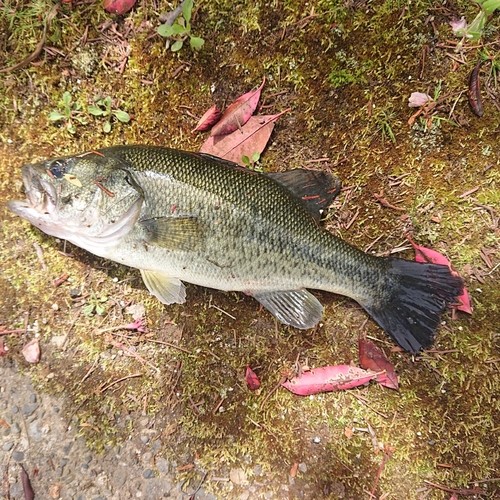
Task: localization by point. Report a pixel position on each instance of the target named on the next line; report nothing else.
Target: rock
(303, 467)
(148, 474)
(161, 465)
(30, 408)
(18, 456)
(238, 476)
(8, 446)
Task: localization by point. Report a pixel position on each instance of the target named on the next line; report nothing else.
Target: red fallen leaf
(423, 254)
(118, 6)
(29, 494)
(238, 113)
(329, 378)
(251, 138)
(31, 351)
(252, 379)
(373, 358)
(208, 120)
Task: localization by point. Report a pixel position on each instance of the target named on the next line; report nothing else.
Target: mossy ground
(347, 70)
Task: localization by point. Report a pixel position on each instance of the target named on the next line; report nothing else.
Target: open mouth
(40, 194)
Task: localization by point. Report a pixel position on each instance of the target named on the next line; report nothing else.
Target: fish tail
(413, 298)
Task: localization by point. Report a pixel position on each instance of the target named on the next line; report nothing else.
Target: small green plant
(252, 162)
(383, 120)
(474, 30)
(68, 113)
(103, 108)
(181, 30)
(95, 305)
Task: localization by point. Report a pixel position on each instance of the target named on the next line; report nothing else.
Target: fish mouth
(41, 196)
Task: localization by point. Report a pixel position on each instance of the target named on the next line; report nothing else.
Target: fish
(181, 216)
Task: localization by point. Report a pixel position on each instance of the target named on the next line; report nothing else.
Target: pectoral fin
(297, 308)
(174, 233)
(165, 288)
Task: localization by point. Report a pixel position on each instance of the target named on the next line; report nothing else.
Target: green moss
(347, 73)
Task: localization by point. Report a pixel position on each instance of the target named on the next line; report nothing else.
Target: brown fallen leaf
(251, 138)
(55, 490)
(29, 494)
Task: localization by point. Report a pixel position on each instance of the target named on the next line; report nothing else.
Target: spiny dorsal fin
(174, 233)
(315, 188)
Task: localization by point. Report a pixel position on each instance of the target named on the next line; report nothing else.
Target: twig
(273, 390)
(459, 491)
(38, 48)
(173, 346)
(140, 374)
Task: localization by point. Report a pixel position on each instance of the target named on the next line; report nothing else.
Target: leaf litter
(237, 134)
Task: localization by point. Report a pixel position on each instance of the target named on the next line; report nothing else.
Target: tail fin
(414, 297)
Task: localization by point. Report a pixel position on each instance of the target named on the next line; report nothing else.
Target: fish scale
(180, 216)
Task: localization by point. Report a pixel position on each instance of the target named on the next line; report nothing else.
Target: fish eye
(57, 169)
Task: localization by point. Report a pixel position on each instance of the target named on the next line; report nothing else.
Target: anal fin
(297, 308)
(166, 289)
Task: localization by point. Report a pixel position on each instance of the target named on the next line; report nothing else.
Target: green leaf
(196, 42)
(165, 30)
(182, 22)
(256, 157)
(122, 115)
(106, 127)
(246, 160)
(71, 129)
(176, 46)
(66, 97)
(55, 116)
(178, 29)
(187, 9)
(94, 110)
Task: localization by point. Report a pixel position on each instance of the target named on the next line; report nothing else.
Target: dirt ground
(110, 413)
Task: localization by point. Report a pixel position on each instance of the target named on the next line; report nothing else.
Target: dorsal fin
(315, 188)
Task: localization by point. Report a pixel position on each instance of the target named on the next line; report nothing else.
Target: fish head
(87, 199)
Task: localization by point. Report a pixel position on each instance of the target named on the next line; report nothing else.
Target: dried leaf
(373, 358)
(252, 379)
(208, 120)
(329, 378)
(3, 349)
(31, 351)
(238, 113)
(293, 470)
(474, 93)
(55, 490)
(118, 6)
(423, 254)
(252, 138)
(29, 494)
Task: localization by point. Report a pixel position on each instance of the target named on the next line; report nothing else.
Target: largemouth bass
(180, 216)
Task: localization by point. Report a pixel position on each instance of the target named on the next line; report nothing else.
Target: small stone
(144, 439)
(8, 446)
(257, 470)
(237, 476)
(32, 398)
(161, 465)
(316, 440)
(15, 429)
(15, 410)
(148, 474)
(29, 409)
(67, 447)
(303, 467)
(18, 456)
